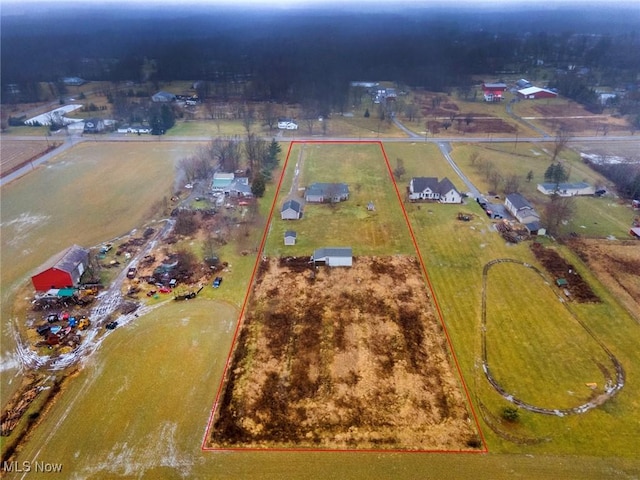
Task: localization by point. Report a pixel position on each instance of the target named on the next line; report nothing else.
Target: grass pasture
(349, 223)
(534, 333)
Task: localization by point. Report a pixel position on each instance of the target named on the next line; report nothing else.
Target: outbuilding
(290, 237)
(333, 256)
(63, 270)
(566, 189)
(521, 209)
(534, 93)
(291, 210)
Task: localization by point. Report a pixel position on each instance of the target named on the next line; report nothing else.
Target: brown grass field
(617, 265)
(15, 153)
(342, 358)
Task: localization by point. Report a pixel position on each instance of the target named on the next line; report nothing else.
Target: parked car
(132, 272)
(216, 282)
(111, 325)
(165, 290)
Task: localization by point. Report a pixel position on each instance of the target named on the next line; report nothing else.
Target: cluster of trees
(509, 184)
(305, 55)
(258, 157)
(626, 177)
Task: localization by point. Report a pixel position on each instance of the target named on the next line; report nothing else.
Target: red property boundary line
(431, 290)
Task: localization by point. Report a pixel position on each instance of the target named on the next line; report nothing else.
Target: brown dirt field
(15, 153)
(617, 265)
(343, 358)
(592, 123)
(558, 267)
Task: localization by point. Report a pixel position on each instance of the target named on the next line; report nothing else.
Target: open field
(90, 194)
(14, 153)
(152, 431)
(455, 253)
(312, 356)
(616, 264)
(561, 113)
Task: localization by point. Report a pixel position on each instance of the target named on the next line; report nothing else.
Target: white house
(429, 188)
(566, 189)
(333, 257)
(287, 124)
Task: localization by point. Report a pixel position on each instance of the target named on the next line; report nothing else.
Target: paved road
(413, 138)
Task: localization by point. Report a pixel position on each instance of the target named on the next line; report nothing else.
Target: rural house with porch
(429, 188)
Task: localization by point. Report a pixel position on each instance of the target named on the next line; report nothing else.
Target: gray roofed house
(429, 188)
(163, 97)
(521, 209)
(333, 256)
(567, 189)
(326, 192)
(239, 187)
(291, 210)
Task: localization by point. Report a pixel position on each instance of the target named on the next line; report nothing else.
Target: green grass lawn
(534, 344)
(349, 223)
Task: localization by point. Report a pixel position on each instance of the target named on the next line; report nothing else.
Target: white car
(287, 125)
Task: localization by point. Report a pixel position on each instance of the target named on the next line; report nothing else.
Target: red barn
(533, 93)
(493, 91)
(62, 270)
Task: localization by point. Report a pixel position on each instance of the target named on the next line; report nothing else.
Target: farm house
(429, 188)
(327, 192)
(333, 257)
(493, 91)
(63, 270)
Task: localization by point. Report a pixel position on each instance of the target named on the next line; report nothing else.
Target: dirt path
(612, 388)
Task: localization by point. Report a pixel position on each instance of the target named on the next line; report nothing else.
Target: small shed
(291, 210)
(290, 237)
(635, 232)
(333, 256)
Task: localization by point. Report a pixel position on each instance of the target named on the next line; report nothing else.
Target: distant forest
(312, 55)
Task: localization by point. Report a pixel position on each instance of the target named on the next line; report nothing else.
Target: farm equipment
(186, 295)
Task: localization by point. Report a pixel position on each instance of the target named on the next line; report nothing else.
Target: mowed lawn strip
(536, 349)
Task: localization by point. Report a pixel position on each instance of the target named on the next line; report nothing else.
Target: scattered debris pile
(511, 233)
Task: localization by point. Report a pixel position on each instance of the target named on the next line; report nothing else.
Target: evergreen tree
(258, 186)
